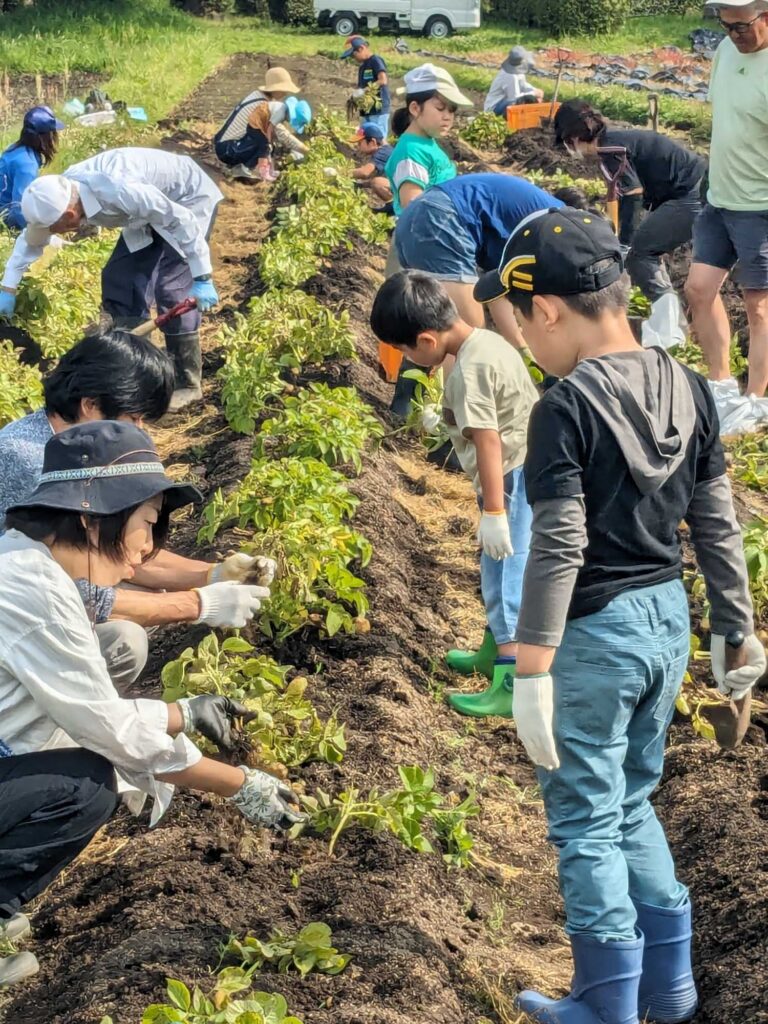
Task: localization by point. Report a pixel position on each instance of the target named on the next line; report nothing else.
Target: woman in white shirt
(510, 86)
(70, 747)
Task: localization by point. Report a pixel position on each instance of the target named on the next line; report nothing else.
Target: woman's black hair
(124, 375)
(578, 120)
(572, 196)
(65, 527)
(400, 121)
(409, 303)
(45, 144)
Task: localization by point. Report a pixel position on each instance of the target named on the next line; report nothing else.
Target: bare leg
(710, 320)
(503, 313)
(757, 313)
(508, 650)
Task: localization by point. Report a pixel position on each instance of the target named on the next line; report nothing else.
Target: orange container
(389, 361)
(528, 115)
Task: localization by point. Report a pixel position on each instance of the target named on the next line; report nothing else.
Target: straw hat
(278, 80)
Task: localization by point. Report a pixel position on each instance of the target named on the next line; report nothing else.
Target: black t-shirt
(632, 539)
(660, 166)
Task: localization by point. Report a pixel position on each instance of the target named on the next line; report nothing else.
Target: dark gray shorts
(722, 238)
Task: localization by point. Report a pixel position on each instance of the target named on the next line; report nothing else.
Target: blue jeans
(617, 674)
(502, 581)
(430, 236)
(381, 120)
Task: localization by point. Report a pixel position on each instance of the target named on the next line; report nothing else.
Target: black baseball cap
(103, 467)
(554, 252)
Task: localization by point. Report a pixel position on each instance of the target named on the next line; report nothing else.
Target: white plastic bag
(738, 414)
(666, 326)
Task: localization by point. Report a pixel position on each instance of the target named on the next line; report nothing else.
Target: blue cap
(353, 43)
(41, 120)
(368, 130)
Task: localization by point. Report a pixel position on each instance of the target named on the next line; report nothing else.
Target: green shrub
(299, 12)
(21, 388)
(206, 8)
(571, 17)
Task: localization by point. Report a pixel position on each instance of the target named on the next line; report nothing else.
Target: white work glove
(296, 156)
(242, 567)
(358, 93)
(330, 172)
(265, 800)
(430, 418)
(230, 604)
(493, 535)
(739, 681)
(533, 711)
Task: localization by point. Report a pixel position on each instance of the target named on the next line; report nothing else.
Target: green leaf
(179, 994)
(236, 645)
(159, 1013)
(333, 622)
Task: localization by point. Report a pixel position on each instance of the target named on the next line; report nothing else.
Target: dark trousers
(662, 231)
(52, 803)
(253, 146)
(131, 282)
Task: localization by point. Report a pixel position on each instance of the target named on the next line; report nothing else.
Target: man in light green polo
(733, 226)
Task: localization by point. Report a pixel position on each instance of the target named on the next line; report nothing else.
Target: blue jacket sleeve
(24, 171)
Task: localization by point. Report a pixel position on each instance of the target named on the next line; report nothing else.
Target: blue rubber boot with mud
(466, 663)
(604, 989)
(667, 990)
(496, 700)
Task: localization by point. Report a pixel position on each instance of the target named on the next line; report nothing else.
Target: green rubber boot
(496, 700)
(481, 660)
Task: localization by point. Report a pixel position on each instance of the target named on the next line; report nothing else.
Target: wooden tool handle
(185, 306)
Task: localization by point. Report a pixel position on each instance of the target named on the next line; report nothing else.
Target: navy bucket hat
(103, 467)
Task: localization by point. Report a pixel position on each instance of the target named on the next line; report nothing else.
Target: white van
(434, 19)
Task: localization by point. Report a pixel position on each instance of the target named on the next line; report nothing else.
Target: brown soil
(428, 943)
(21, 91)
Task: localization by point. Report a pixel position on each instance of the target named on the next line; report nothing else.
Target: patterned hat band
(94, 472)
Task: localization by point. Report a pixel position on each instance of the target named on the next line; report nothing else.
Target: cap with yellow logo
(555, 252)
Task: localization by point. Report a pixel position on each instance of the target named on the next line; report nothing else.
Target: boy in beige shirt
(488, 399)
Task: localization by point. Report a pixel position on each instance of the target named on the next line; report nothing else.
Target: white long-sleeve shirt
(507, 86)
(139, 190)
(55, 690)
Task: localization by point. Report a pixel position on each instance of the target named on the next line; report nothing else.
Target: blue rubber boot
(606, 977)
(667, 990)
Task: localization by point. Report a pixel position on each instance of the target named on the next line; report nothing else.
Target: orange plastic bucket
(389, 359)
(529, 115)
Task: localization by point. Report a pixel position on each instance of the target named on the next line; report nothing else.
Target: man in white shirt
(166, 206)
(510, 86)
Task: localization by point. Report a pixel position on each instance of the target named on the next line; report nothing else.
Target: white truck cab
(434, 19)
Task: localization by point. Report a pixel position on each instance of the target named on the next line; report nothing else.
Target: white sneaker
(14, 969)
(15, 928)
(241, 171)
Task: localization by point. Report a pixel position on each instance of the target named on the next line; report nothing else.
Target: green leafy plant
(251, 378)
(316, 586)
(750, 460)
(286, 729)
(486, 131)
(218, 1005)
(278, 491)
(21, 387)
(428, 392)
(331, 424)
(311, 949)
(406, 812)
(756, 556)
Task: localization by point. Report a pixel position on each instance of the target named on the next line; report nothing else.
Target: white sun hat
(42, 203)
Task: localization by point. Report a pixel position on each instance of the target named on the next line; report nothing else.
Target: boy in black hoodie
(620, 450)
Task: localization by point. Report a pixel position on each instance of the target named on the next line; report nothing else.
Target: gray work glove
(212, 715)
(242, 568)
(265, 800)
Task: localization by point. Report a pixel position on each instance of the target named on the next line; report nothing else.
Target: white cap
(430, 78)
(728, 3)
(42, 203)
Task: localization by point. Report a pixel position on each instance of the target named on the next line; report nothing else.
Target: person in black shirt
(622, 448)
(371, 70)
(653, 172)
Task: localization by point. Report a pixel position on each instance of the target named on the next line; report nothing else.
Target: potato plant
(276, 491)
(309, 950)
(287, 730)
(331, 424)
(750, 460)
(486, 131)
(219, 1005)
(409, 812)
(316, 586)
(21, 387)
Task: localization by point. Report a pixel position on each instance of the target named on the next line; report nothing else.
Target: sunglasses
(739, 28)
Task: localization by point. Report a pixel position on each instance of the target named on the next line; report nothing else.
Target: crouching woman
(70, 747)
